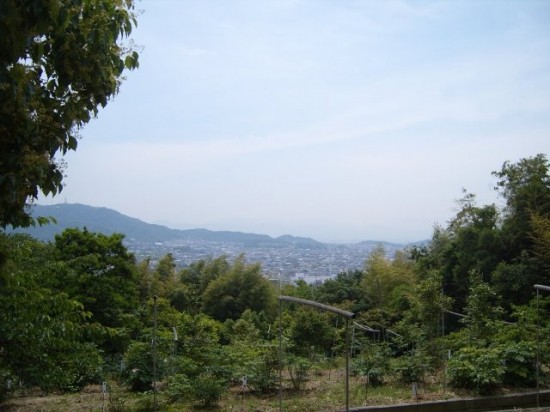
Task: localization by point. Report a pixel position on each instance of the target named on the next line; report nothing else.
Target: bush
(138, 374)
(258, 361)
(208, 388)
(179, 388)
(373, 363)
(481, 369)
(265, 372)
(5, 376)
(411, 367)
(298, 368)
(519, 362)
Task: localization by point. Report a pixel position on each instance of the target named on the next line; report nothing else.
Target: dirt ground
(92, 399)
(89, 399)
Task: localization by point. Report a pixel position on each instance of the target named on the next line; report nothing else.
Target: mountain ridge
(108, 221)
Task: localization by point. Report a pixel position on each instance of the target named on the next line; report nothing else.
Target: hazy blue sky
(339, 120)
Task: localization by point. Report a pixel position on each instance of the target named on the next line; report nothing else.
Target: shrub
(208, 388)
(519, 362)
(481, 369)
(179, 388)
(138, 374)
(373, 363)
(298, 368)
(411, 367)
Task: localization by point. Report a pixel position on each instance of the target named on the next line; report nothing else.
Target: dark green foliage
(195, 279)
(99, 272)
(476, 368)
(344, 291)
(413, 366)
(179, 387)
(80, 305)
(482, 311)
(138, 361)
(421, 323)
(471, 242)
(252, 355)
(42, 331)
(507, 246)
(242, 287)
(525, 186)
(519, 359)
(208, 388)
(373, 363)
(59, 62)
(298, 370)
(311, 332)
(490, 352)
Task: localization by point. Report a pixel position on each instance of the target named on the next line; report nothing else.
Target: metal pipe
(318, 305)
(463, 316)
(365, 328)
(542, 287)
(455, 313)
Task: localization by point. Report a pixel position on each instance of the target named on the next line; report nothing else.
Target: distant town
(286, 258)
(285, 263)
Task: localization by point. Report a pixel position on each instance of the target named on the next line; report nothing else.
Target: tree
(481, 310)
(42, 331)
(59, 62)
(345, 291)
(541, 243)
(489, 352)
(194, 281)
(475, 245)
(311, 332)
(525, 186)
(507, 246)
(99, 272)
(386, 282)
(166, 267)
(161, 281)
(421, 323)
(243, 287)
(250, 354)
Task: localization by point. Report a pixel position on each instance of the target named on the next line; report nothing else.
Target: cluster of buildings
(289, 262)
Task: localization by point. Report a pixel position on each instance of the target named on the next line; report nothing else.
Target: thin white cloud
(191, 51)
(342, 120)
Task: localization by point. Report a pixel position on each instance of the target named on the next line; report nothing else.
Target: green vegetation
(80, 310)
(59, 62)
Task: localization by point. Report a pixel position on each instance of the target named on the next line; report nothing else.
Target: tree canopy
(506, 246)
(60, 61)
(242, 287)
(80, 310)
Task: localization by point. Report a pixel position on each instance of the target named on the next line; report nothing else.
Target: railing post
(347, 364)
(537, 366)
(155, 353)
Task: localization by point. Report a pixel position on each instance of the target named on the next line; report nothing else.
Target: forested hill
(108, 221)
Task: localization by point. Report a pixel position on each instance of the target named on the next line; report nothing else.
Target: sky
(337, 120)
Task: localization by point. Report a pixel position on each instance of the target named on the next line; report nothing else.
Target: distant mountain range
(109, 221)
